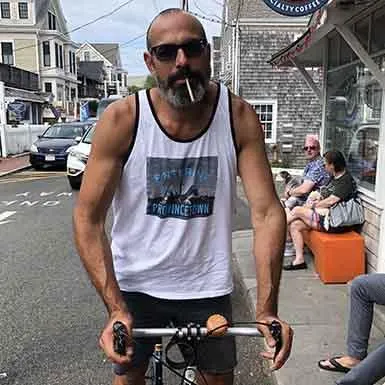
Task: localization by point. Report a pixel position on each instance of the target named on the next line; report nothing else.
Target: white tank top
(171, 234)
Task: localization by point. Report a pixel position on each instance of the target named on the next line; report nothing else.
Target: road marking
(30, 178)
(5, 215)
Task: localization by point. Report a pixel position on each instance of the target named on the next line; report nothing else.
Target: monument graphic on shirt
(181, 188)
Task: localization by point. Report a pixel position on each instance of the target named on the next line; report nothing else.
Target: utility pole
(184, 5)
(3, 121)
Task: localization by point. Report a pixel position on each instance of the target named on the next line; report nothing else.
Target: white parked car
(77, 159)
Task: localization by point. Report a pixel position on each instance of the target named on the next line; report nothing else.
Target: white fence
(19, 139)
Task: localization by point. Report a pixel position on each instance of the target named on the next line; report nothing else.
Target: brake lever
(276, 331)
(120, 338)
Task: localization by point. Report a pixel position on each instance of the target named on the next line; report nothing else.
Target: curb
(248, 294)
(19, 155)
(14, 171)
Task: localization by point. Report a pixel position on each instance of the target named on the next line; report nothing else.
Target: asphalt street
(50, 315)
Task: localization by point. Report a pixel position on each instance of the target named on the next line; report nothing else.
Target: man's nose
(181, 58)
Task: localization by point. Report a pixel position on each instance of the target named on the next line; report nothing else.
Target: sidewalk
(14, 164)
(317, 312)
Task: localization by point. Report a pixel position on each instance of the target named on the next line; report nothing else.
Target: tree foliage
(150, 82)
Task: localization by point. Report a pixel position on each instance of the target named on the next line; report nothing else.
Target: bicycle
(188, 336)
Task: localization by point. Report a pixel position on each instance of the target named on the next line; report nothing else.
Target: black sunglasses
(311, 148)
(168, 52)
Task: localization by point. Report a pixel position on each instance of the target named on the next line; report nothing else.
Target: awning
(308, 46)
(308, 49)
(23, 95)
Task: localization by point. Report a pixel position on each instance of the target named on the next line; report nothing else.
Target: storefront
(347, 38)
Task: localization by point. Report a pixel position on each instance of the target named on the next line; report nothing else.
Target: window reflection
(353, 120)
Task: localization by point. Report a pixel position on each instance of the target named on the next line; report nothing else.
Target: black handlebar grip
(120, 338)
(276, 331)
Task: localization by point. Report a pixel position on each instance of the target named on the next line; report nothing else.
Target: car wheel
(75, 182)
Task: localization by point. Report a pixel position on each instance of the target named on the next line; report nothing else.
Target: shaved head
(169, 12)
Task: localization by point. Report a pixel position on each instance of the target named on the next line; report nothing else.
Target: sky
(129, 23)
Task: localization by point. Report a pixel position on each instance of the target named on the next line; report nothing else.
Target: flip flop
(336, 366)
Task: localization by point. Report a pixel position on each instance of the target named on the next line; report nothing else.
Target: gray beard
(179, 97)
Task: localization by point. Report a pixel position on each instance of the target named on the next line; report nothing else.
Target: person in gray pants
(361, 368)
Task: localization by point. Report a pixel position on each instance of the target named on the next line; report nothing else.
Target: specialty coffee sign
(295, 7)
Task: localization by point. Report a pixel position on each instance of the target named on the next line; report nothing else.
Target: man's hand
(287, 341)
(106, 340)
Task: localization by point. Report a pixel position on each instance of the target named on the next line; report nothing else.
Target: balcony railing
(18, 78)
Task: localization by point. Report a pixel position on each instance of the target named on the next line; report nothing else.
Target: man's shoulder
(121, 117)
(317, 163)
(124, 109)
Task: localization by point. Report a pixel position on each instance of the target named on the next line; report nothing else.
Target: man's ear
(149, 62)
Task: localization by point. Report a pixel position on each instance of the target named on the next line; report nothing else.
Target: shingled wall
(299, 110)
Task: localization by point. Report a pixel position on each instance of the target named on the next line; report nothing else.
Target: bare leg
(219, 379)
(296, 229)
(305, 214)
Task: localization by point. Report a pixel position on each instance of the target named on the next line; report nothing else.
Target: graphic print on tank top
(181, 188)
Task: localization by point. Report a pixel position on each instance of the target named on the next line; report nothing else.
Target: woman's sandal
(334, 366)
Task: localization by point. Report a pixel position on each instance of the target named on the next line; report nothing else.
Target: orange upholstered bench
(338, 257)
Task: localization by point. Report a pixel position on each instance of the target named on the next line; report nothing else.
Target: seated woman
(314, 214)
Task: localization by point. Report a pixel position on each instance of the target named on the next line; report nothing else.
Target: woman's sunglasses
(311, 148)
(168, 52)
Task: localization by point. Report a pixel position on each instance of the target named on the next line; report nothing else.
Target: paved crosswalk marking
(4, 215)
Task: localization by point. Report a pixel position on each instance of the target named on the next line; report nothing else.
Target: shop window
(334, 50)
(353, 120)
(347, 55)
(378, 35)
(267, 113)
(361, 30)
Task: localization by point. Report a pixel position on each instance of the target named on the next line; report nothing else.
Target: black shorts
(214, 355)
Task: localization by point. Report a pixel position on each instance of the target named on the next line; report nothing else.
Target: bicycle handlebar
(181, 332)
(193, 331)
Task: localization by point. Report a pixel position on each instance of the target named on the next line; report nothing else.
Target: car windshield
(64, 131)
(89, 135)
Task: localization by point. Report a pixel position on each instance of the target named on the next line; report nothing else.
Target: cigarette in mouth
(190, 91)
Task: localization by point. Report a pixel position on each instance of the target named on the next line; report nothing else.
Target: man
(314, 174)
(167, 159)
(314, 177)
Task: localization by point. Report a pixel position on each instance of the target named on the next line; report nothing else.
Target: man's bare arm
(109, 147)
(268, 220)
(305, 188)
(267, 214)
